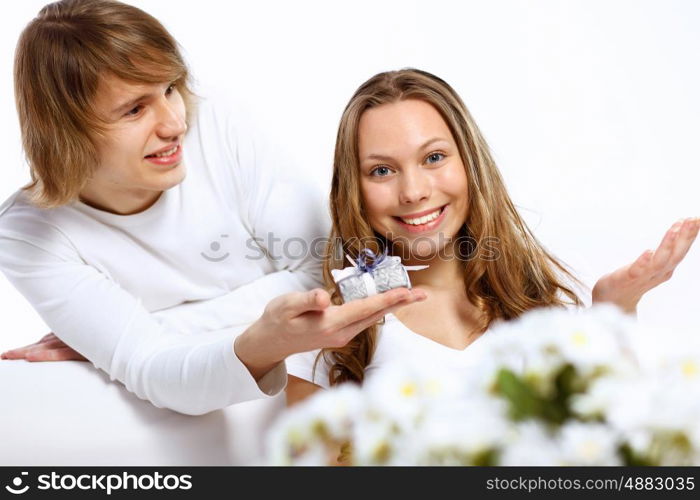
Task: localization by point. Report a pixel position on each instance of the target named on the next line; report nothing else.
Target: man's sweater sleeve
(191, 374)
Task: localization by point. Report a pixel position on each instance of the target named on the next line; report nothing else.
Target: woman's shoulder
(311, 366)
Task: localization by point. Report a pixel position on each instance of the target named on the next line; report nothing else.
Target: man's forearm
(239, 307)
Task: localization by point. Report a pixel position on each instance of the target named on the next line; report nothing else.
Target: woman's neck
(442, 274)
(445, 271)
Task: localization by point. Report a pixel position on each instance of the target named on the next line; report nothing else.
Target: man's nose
(170, 123)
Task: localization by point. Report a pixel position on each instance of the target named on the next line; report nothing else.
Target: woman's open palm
(626, 286)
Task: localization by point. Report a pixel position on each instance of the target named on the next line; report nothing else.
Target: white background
(590, 107)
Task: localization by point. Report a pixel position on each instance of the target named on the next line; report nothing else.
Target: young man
(142, 239)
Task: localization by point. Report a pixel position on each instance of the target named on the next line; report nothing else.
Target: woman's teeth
(423, 220)
(164, 153)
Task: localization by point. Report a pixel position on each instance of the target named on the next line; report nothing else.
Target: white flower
(659, 421)
(529, 443)
(640, 385)
(374, 440)
(460, 432)
(291, 439)
(401, 392)
(589, 444)
(337, 409)
(542, 341)
(306, 433)
(608, 393)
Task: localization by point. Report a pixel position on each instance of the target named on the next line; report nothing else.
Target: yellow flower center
(579, 338)
(408, 389)
(689, 368)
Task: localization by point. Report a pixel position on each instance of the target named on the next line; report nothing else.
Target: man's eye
(134, 111)
(380, 171)
(435, 157)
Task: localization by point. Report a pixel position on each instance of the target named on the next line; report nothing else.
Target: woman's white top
(395, 343)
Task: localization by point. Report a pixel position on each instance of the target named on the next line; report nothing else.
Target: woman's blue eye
(380, 172)
(435, 157)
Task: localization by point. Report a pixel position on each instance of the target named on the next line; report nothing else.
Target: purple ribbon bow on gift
(363, 265)
(367, 263)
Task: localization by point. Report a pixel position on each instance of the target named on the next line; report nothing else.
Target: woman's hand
(49, 348)
(626, 286)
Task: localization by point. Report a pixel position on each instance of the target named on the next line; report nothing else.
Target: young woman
(414, 177)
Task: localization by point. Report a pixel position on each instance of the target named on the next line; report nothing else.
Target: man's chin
(172, 178)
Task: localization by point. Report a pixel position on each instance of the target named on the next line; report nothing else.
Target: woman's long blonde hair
(524, 277)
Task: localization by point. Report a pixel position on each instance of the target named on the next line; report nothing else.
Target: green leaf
(631, 458)
(523, 400)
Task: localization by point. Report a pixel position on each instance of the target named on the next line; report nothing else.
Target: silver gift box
(388, 273)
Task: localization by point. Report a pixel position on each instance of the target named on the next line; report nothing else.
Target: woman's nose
(414, 186)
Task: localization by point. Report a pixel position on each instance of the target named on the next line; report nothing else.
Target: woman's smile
(423, 222)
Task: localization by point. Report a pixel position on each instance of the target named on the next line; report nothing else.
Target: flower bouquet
(555, 387)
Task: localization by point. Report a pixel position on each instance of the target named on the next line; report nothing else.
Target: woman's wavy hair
(524, 276)
(60, 58)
